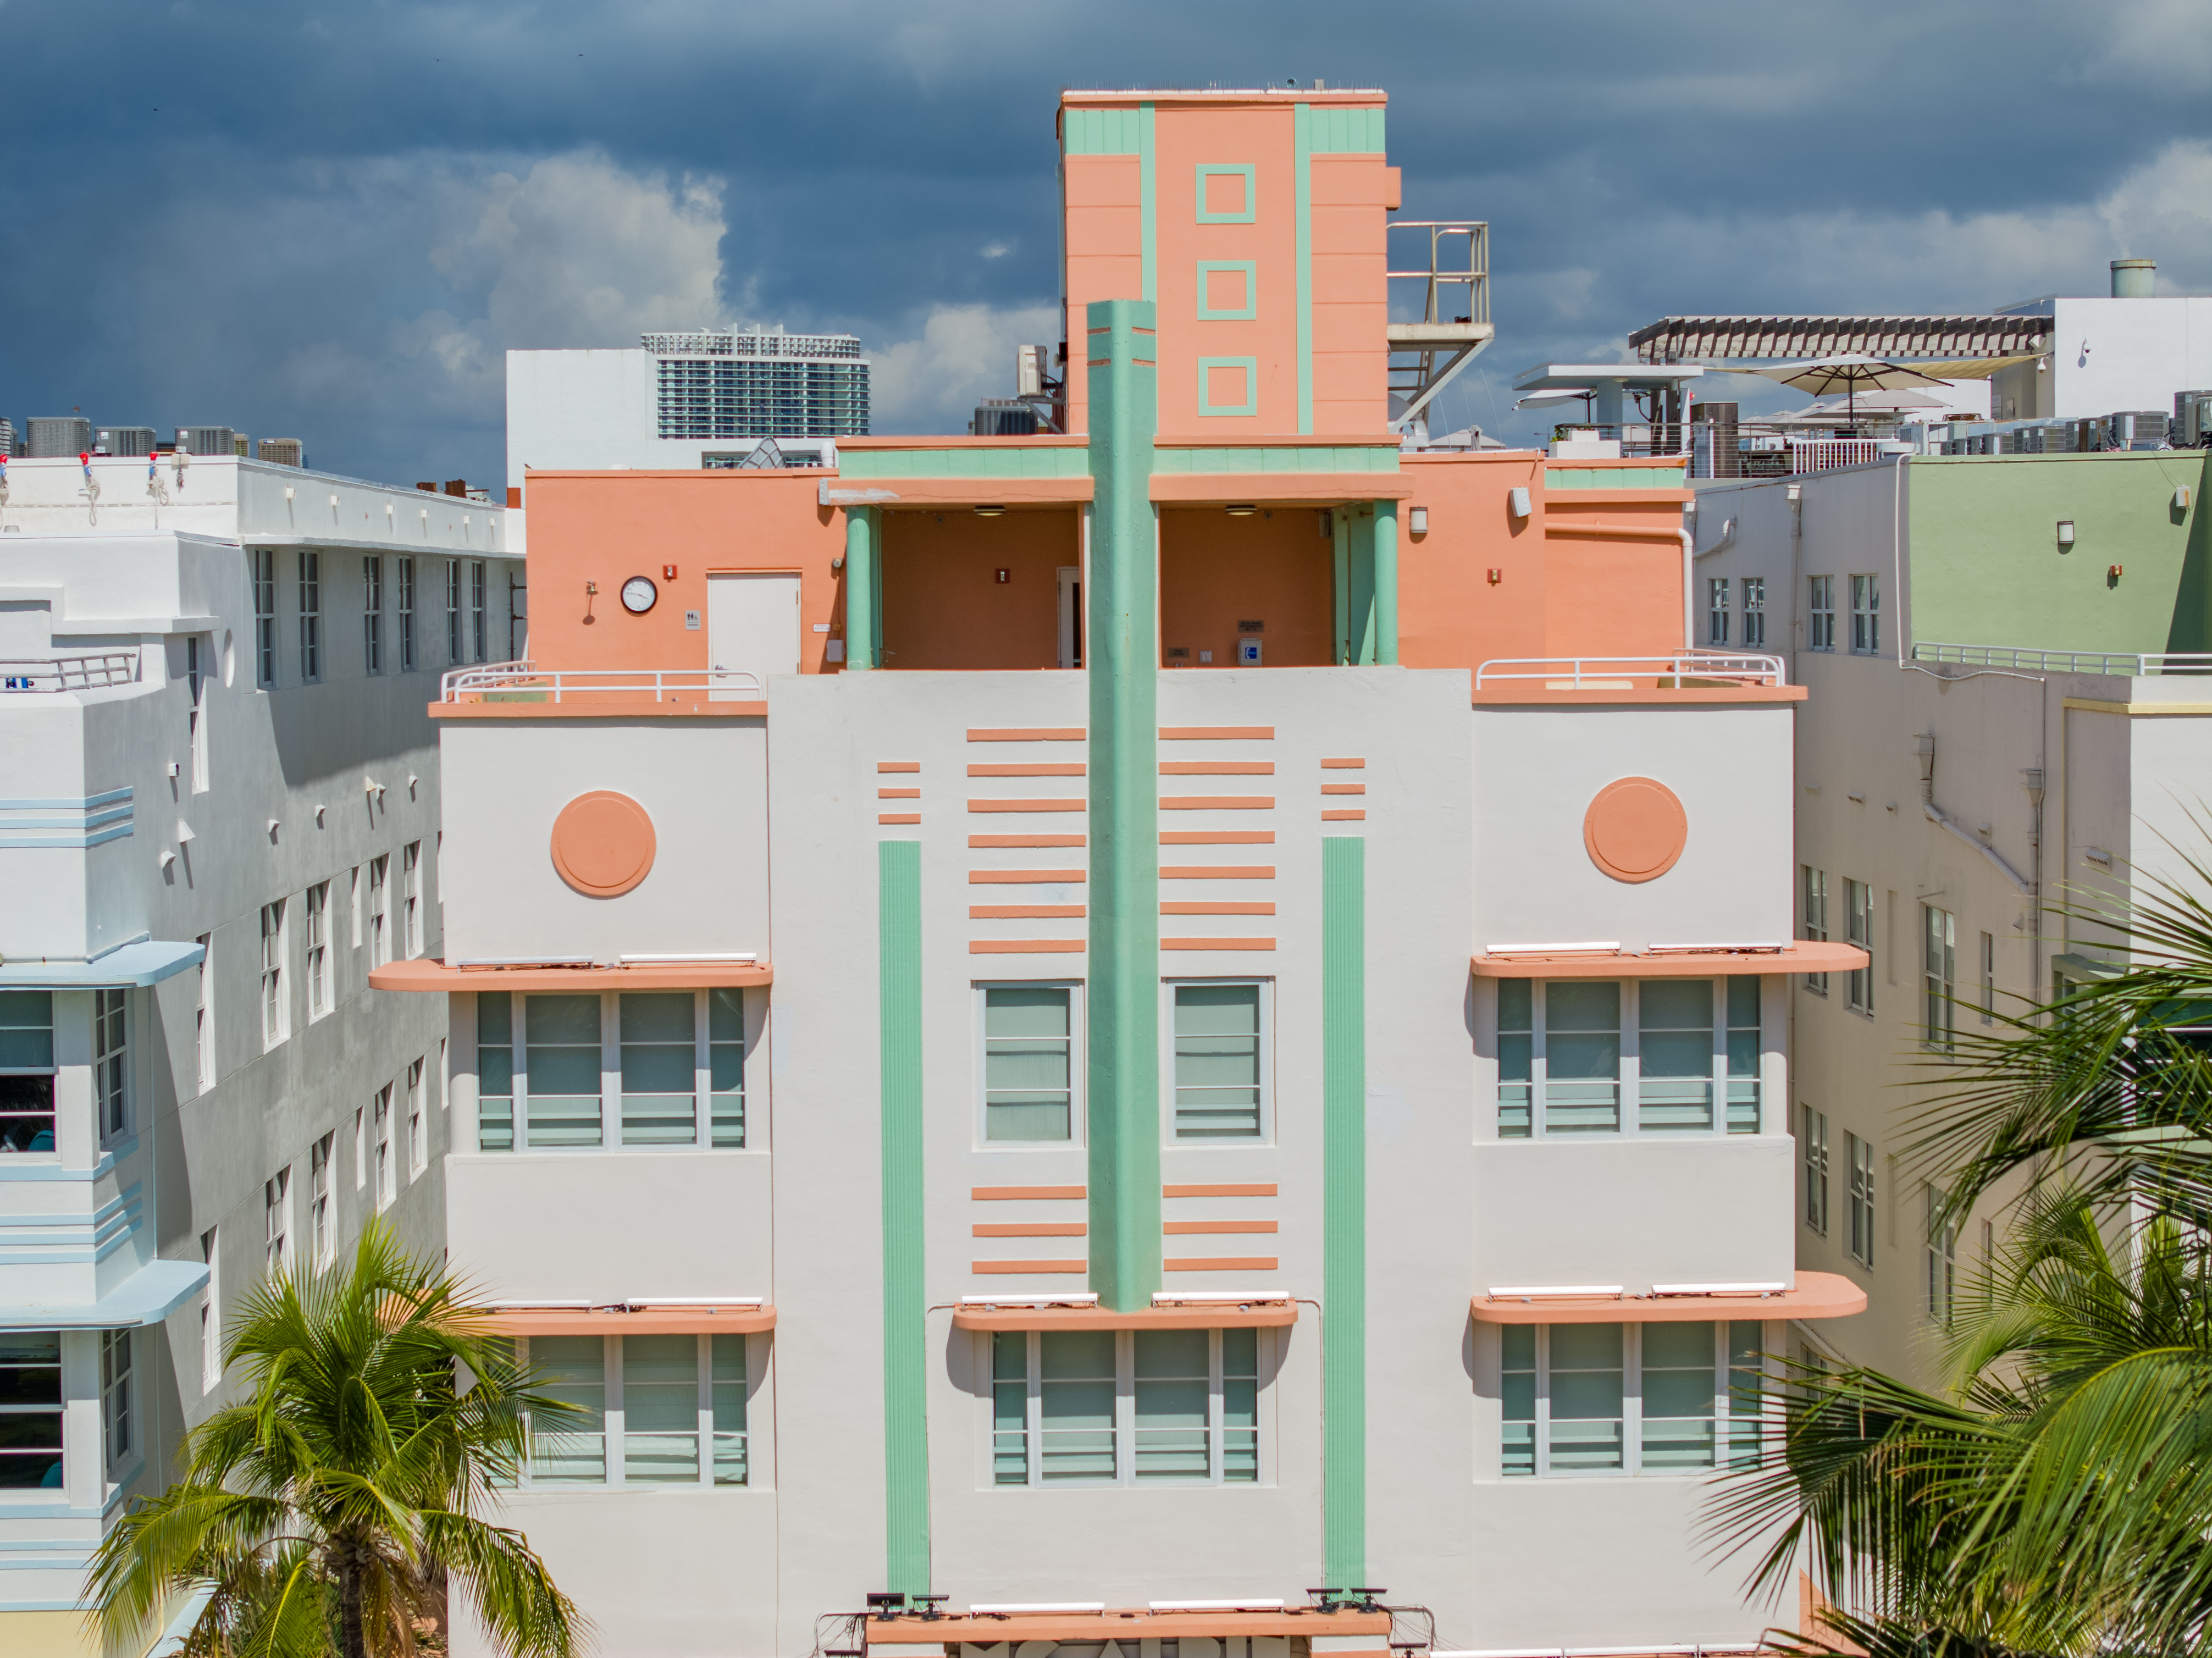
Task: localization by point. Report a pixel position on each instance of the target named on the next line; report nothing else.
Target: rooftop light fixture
(1239, 509)
(993, 510)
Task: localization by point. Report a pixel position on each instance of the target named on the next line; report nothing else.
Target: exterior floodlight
(1518, 501)
(989, 512)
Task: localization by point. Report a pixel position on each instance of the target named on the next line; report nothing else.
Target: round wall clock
(638, 594)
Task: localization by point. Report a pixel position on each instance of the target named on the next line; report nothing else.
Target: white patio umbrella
(1851, 374)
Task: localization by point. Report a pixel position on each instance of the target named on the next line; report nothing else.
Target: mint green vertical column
(1341, 537)
(863, 590)
(906, 1364)
(1122, 992)
(1344, 1207)
(1358, 628)
(1301, 175)
(1386, 581)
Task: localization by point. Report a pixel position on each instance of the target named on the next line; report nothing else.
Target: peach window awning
(1257, 1311)
(983, 1627)
(652, 1319)
(426, 975)
(1690, 961)
(1815, 1294)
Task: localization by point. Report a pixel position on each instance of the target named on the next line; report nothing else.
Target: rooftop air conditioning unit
(124, 440)
(207, 440)
(2135, 429)
(2192, 419)
(57, 436)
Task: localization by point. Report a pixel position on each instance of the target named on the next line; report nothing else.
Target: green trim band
(1148, 203)
(1347, 132)
(1098, 132)
(1302, 169)
(1566, 475)
(1243, 170)
(1248, 311)
(906, 1350)
(1343, 1206)
(1205, 403)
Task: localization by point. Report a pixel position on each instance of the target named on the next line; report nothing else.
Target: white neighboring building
(684, 401)
(221, 810)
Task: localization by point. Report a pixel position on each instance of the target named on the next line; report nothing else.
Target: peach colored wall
(1624, 597)
(1275, 566)
(1351, 302)
(1104, 236)
(605, 527)
(943, 605)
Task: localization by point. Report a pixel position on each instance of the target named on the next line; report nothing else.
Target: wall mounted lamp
(1239, 509)
(1519, 503)
(996, 510)
(1417, 521)
(2065, 535)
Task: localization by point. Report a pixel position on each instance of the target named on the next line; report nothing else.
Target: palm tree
(327, 1505)
(2056, 1496)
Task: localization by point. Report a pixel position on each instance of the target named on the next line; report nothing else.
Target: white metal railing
(518, 680)
(1614, 672)
(68, 673)
(2119, 664)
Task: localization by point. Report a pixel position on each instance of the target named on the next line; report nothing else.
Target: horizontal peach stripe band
(1217, 872)
(1217, 803)
(1217, 944)
(1025, 840)
(899, 817)
(1039, 768)
(1359, 817)
(1025, 946)
(1219, 1264)
(1212, 733)
(1179, 1228)
(1343, 788)
(1028, 1229)
(1217, 837)
(1061, 804)
(1017, 877)
(1005, 912)
(1007, 1194)
(898, 765)
(1250, 1189)
(1344, 763)
(1028, 1266)
(898, 794)
(1027, 734)
(1217, 768)
(1217, 906)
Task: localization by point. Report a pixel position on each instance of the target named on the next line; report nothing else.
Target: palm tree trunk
(352, 1638)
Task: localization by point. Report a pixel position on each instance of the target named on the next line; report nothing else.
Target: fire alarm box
(1247, 652)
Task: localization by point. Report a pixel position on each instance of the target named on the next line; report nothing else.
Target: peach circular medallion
(603, 844)
(1635, 828)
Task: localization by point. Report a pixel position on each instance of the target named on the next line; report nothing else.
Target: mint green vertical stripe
(1386, 581)
(1359, 638)
(1301, 172)
(1149, 204)
(906, 1365)
(1123, 989)
(863, 594)
(1343, 1206)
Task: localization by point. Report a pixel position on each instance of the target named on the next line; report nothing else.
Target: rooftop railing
(69, 673)
(1585, 673)
(522, 681)
(2133, 665)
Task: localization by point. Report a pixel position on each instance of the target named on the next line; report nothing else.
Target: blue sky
(331, 222)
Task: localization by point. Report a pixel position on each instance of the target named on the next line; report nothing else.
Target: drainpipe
(1689, 599)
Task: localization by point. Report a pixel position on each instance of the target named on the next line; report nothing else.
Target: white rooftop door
(752, 627)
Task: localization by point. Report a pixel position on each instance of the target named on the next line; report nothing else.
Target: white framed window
(1815, 1150)
(30, 1411)
(1031, 1088)
(1629, 1398)
(1939, 976)
(1989, 957)
(1858, 1158)
(311, 617)
(406, 573)
(118, 1422)
(360, 1148)
(211, 1311)
(379, 943)
(1754, 612)
(1219, 1041)
(479, 619)
(353, 904)
(28, 1073)
(276, 1008)
(1716, 610)
(319, 950)
(1125, 1407)
(418, 1138)
(382, 1167)
(624, 1068)
(372, 611)
(410, 899)
(1612, 1056)
(656, 1410)
(264, 617)
(1943, 1248)
(197, 651)
(1813, 887)
(111, 1063)
(276, 1220)
(1820, 612)
(454, 653)
(1866, 615)
(204, 1015)
(1858, 914)
(321, 1238)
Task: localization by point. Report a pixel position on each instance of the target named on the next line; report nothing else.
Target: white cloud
(965, 353)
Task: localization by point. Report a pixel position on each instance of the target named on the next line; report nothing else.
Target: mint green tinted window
(27, 1029)
(1587, 1397)
(659, 1063)
(1517, 1397)
(1675, 1016)
(561, 1037)
(1582, 1056)
(1240, 1406)
(1076, 1388)
(1679, 1396)
(494, 1070)
(661, 1410)
(1743, 1046)
(1173, 1380)
(725, 1062)
(1515, 1056)
(572, 1370)
(1746, 1340)
(726, 1391)
(1010, 1405)
(1216, 1062)
(1027, 1064)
